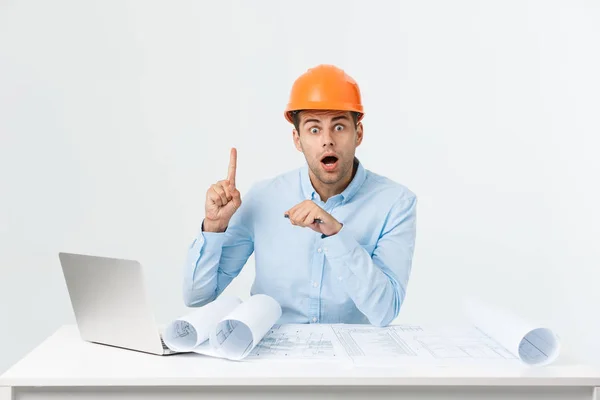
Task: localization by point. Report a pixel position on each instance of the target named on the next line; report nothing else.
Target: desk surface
(65, 360)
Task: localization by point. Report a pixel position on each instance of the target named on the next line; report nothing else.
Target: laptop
(110, 303)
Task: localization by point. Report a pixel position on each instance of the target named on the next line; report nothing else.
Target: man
(333, 242)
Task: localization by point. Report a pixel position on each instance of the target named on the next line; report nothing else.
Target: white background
(116, 116)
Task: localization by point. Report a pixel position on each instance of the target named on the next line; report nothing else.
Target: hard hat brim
(320, 106)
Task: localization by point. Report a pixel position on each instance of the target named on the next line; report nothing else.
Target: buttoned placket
(317, 267)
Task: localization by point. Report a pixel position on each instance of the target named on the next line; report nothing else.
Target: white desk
(65, 367)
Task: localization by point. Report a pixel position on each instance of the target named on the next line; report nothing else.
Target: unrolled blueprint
(420, 345)
(298, 341)
(369, 345)
(496, 338)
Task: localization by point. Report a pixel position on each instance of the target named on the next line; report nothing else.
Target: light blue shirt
(359, 275)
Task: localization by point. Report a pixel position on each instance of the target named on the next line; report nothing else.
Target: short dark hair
(296, 118)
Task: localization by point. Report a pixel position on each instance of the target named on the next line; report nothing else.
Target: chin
(325, 176)
(329, 177)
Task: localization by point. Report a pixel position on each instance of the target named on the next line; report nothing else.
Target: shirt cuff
(340, 244)
(210, 241)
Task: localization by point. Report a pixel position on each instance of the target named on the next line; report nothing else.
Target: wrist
(213, 226)
(334, 230)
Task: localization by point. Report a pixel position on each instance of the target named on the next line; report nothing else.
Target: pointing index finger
(232, 166)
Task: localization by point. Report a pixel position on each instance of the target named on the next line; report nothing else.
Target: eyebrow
(340, 117)
(310, 120)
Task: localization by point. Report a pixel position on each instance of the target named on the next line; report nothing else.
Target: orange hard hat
(324, 87)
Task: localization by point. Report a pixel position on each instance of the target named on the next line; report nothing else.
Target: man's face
(328, 140)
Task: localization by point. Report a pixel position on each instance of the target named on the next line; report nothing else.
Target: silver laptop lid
(110, 302)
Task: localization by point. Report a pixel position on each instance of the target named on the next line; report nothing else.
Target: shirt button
(314, 319)
(319, 250)
(315, 284)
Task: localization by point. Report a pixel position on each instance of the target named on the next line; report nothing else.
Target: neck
(326, 191)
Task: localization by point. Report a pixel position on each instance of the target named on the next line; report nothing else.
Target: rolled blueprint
(533, 343)
(190, 331)
(225, 328)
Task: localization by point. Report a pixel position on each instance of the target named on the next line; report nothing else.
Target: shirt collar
(310, 193)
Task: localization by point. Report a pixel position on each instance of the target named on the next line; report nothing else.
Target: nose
(327, 138)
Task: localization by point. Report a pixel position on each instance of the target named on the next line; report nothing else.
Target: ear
(296, 137)
(359, 133)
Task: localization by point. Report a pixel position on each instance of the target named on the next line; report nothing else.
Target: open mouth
(329, 162)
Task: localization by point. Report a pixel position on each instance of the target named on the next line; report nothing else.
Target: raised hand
(222, 200)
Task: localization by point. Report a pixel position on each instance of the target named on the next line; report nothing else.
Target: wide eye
(314, 130)
(339, 127)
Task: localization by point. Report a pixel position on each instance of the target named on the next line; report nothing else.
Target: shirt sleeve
(377, 284)
(214, 259)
